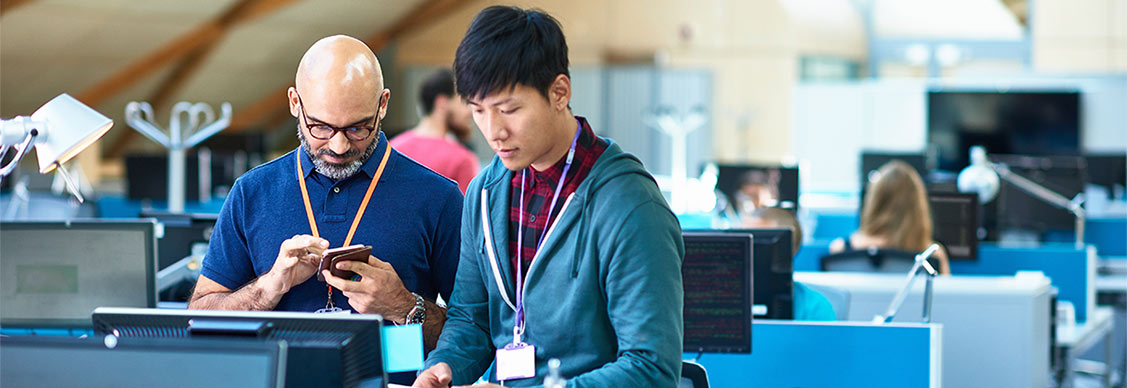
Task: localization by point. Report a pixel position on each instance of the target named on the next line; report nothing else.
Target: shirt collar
(369, 167)
(582, 146)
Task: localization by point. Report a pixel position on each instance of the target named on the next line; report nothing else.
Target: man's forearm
(253, 296)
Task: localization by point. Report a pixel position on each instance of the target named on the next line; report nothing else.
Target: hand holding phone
(331, 257)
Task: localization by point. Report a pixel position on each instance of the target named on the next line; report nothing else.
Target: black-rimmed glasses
(325, 131)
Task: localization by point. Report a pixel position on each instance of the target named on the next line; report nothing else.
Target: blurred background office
(732, 105)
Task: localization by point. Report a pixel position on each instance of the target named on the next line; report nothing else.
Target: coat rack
(189, 125)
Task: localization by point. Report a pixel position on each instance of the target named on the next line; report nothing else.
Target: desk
(1111, 287)
(996, 329)
(1112, 283)
(1077, 339)
(832, 354)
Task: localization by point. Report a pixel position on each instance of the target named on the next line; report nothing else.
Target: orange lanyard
(363, 204)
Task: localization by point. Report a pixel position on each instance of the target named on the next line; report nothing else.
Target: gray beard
(337, 171)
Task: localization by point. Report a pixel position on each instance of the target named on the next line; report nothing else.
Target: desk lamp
(982, 177)
(58, 130)
(898, 300)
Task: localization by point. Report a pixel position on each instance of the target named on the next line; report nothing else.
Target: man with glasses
(343, 186)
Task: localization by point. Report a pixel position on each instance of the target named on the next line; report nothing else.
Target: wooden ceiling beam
(9, 5)
(201, 36)
(191, 60)
(272, 106)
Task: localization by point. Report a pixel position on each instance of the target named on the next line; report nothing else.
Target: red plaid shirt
(540, 186)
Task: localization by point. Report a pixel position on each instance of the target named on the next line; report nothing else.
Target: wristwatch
(418, 314)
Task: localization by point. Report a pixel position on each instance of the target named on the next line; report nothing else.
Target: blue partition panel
(1071, 270)
(833, 225)
(830, 354)
(119, 207)
(809, 258)
(1109, 235)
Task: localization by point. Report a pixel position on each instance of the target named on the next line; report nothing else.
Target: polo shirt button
(533, 218)
(336, 189)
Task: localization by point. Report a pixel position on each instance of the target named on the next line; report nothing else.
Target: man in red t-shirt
(434, 142)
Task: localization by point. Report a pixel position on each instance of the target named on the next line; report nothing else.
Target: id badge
(516, 362)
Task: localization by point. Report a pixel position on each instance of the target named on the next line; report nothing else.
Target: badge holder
(516, 360)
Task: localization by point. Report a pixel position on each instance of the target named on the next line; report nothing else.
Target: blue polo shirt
(412, 222)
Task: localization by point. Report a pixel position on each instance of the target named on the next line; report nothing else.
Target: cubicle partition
(832, 354)
(1107, 234)
(1071, 269)
(996, 330)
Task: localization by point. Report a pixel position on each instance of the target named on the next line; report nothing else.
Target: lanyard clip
(516, 335)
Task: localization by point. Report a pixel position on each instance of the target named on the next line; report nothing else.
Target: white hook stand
(678, 127)
(200, 125)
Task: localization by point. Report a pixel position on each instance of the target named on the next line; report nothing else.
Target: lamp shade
(979, 177)
(70, 127)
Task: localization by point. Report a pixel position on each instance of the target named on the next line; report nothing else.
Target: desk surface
(1115, 283)
(962, 285)
(1080, 337)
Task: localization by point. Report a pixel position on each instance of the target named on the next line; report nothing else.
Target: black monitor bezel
(749, 292)
(275, 350)
(977, 221)
(148, 226)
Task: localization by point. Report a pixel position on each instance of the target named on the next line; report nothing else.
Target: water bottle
(554, 379)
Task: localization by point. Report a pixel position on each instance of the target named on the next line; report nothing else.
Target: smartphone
(331, 257)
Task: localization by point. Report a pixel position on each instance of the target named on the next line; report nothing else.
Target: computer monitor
(323, 349)
(954, 218)
(181, 231)
(761, 180)
(717, 278)
(54, 273)
(1016, 209)
(873, 160)
(774, 272)
(1028, 122)
(1107, 170)
(48, 361)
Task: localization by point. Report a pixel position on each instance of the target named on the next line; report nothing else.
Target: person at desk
(569, 251)
(280, 216)
(809, 305)
(757, 188)
(896, 215)
(433, 142)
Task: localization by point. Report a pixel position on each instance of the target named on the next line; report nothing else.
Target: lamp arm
(1041, 192)
(21, 149)
(898, 300)
(1075, 205)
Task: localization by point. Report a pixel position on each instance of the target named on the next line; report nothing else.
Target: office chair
(838, 298)
(873, 260)
(693, 375)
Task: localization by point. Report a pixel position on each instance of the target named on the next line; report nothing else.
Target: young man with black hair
(435, 141)
(569, 251)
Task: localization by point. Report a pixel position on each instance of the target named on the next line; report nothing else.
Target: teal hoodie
(603, 294)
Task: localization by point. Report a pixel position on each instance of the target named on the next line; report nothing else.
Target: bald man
(342, 186)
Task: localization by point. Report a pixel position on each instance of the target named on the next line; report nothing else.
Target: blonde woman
(895, 215)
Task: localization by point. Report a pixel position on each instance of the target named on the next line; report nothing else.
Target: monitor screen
(31, 361)
(1108, 170)
(181, 231)
(54, 273)
(872, 161)
(319, 344)
(748, 186)
(1014, 122)
(954, 218)
(774, 272)
(717, 273)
